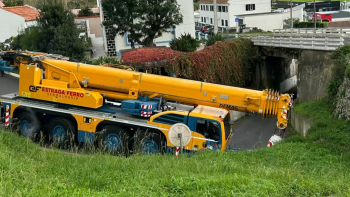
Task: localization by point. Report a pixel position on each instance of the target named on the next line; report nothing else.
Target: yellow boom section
(90, 80)
(122, 84)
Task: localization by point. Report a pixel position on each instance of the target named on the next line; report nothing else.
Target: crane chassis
(123, 110)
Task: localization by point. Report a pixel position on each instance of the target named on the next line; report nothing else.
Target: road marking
(12, 74)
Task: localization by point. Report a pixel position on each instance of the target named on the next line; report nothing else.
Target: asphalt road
(251, 132)
(8, 84)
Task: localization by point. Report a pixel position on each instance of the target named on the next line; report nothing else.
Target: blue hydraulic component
(139, 107)
(5, 67)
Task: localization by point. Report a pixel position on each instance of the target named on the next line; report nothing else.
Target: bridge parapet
(325, 39)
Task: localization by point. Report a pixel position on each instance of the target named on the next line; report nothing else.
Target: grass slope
(297, 167)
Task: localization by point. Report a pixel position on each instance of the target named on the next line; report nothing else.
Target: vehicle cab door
(206, 133)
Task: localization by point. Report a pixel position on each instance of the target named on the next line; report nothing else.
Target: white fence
(326, 39)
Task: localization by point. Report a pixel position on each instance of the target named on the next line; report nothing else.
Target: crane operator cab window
(209, 129)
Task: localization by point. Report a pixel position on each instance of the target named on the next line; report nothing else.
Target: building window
(205, 20)
(202, 19)
(226, 8)
(223, 8)
(219, 10)
(201, 7)
(222, 22)
(207, 8)
(211, 20)
(211, 8)
(226, 23)
(250, 7)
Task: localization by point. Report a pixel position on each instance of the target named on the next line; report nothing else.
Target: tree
(29, 39)
(13, 3)
(86, 11)
(142, 20)
(295, 20)
(58, 32)
(185, 43)
(196, 6)
(15, 44)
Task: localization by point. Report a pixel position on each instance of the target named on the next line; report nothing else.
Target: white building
(114, 46)
(15, 19)
(273, 20)
(228, 10)
(94, 31)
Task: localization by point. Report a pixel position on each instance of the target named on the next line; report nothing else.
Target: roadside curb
(12, 74)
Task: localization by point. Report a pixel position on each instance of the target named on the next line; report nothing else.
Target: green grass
(296, 167)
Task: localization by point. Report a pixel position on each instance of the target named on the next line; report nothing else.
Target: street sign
(236, 20)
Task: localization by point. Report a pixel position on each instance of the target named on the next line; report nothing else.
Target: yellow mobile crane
(109, 105)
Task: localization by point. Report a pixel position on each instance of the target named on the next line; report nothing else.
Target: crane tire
(113, 139)
(28, 125)
(149, 143)
(62, 131)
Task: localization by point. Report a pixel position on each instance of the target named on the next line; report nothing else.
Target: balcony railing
(327, 39)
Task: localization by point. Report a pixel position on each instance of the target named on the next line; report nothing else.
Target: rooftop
(27, 12)
(341, 14)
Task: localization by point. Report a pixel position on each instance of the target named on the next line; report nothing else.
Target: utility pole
(291, 14)
(215, 17)
(315, 13)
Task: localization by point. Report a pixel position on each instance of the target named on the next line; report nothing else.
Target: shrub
(306, 24)
(340, 70)
(86, 11)
(228, 62)
(185, 43)
(13, 3)
(102, 60)
(213, 38)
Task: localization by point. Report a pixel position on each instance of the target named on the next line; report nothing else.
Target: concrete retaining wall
(314, 74)
(300, 123)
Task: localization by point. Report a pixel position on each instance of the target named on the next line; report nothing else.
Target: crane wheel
(149, 143)
(62, 131)
(113, 139)
(28, 125)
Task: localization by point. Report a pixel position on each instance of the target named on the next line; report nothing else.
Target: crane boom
(268, 103)
(120, 84)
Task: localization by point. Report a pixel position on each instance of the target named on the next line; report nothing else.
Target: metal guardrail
(327, 39)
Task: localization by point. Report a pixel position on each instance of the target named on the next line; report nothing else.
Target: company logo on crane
(57, 92)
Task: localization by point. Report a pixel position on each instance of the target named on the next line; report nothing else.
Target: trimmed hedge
(228, 62)
(310, 24)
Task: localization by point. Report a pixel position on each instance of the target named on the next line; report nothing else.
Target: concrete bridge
(324, 39)
(299, 60)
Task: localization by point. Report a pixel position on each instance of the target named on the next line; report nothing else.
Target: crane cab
(210, 126)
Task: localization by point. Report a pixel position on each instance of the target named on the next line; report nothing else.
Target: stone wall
(314, 75)
(111, 50)
(339, 24)
(342, 109)
(300, 123)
